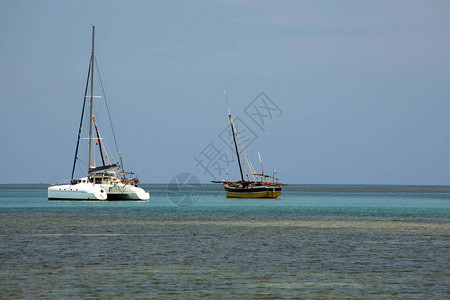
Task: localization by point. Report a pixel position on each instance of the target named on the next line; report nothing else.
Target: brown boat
(249, 188)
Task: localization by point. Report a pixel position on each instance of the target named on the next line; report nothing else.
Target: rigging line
(244, 153)
(106, 150)
(80, 161)
(99, 141)
(83, 163)
(81, 121)
(103, 146)
(85, 151)
(247, 159)
(253, 168)
(262, 170)
(98, 62)
(107, 109)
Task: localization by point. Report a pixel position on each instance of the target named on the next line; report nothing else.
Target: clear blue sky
(363, 86)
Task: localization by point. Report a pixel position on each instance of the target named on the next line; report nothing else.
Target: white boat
(83, 189)
(104, 182)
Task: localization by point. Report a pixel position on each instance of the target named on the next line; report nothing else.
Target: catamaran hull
(126, 192)
(84, 192)
(256, 192)
(124, 197)
(77, 192)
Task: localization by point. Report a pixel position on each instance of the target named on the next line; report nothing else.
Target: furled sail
(103, 168)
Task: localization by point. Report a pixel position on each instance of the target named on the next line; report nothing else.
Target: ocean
(192, 242)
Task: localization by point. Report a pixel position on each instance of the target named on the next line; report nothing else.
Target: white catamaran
(105, 182)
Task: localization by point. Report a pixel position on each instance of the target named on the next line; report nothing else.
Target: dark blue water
(313, 242)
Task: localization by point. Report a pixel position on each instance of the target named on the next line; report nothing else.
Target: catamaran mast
(234, 138)
(81, 124)
(92, 98)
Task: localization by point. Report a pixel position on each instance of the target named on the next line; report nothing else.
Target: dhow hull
(256, 192)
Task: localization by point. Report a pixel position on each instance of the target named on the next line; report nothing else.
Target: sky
(329, 92)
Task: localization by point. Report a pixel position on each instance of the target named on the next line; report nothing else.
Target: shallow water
(324, 242)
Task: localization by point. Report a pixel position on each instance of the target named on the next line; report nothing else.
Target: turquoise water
(313, 242)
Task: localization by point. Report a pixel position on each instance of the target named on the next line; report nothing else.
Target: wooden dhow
(252, 187)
